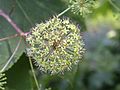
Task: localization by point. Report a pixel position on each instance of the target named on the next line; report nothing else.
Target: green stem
(63, 12)
(33, 72)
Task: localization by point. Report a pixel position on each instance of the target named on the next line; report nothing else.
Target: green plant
(65, 46)
(47, 61)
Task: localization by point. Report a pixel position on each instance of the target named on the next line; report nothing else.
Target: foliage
(100, 68)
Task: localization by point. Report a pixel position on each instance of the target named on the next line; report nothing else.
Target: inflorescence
(56, 45)
(82, 7)
(2, 81)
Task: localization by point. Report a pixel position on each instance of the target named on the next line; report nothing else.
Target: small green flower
(82, 7)
(56, 45)
(2, 81)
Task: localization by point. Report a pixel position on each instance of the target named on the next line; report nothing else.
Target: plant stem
(8, 62)
(33, 72)
(11, 22)
(13, 36)
(63, 12)
(9, 37)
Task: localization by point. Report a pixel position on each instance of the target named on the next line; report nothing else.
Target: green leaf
(19, 77)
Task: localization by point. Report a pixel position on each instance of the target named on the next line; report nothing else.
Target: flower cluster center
(56, 44)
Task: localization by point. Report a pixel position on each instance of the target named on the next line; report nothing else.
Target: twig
(8, 62)
(11, 22)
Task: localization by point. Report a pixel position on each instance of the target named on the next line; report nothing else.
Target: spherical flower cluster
(56, 45)
(2, 81)
(82, 7)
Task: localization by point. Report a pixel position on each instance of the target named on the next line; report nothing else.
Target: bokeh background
(100, 67)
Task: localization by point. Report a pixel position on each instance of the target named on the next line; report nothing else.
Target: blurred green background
(100, 67)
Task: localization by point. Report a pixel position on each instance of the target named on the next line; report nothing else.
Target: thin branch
(9, 37)
(11, 22)
(33, 72)
(10, 59)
